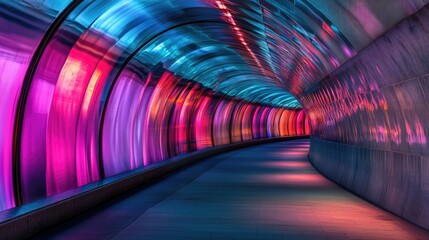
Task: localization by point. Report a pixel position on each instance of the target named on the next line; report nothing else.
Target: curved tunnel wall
(93, 89)
(371, 124)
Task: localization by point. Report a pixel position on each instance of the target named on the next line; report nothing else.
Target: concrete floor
(269, 191)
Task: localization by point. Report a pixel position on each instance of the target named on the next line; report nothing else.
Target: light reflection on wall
(168, 128)
(370, 120)
(19, 40)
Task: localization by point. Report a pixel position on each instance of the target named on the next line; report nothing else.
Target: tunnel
(98, 93)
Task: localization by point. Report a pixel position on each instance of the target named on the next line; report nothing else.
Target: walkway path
(269, 191)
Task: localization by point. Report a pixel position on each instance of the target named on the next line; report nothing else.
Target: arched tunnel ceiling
(260, 51)
(83, 82)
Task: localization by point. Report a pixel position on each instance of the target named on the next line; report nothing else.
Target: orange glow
(90, 90)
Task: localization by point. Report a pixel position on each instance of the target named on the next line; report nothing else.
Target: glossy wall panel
(370, 121)
(26, 23)
(176, 119)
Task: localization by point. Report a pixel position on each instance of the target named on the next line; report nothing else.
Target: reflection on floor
(269, 191)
